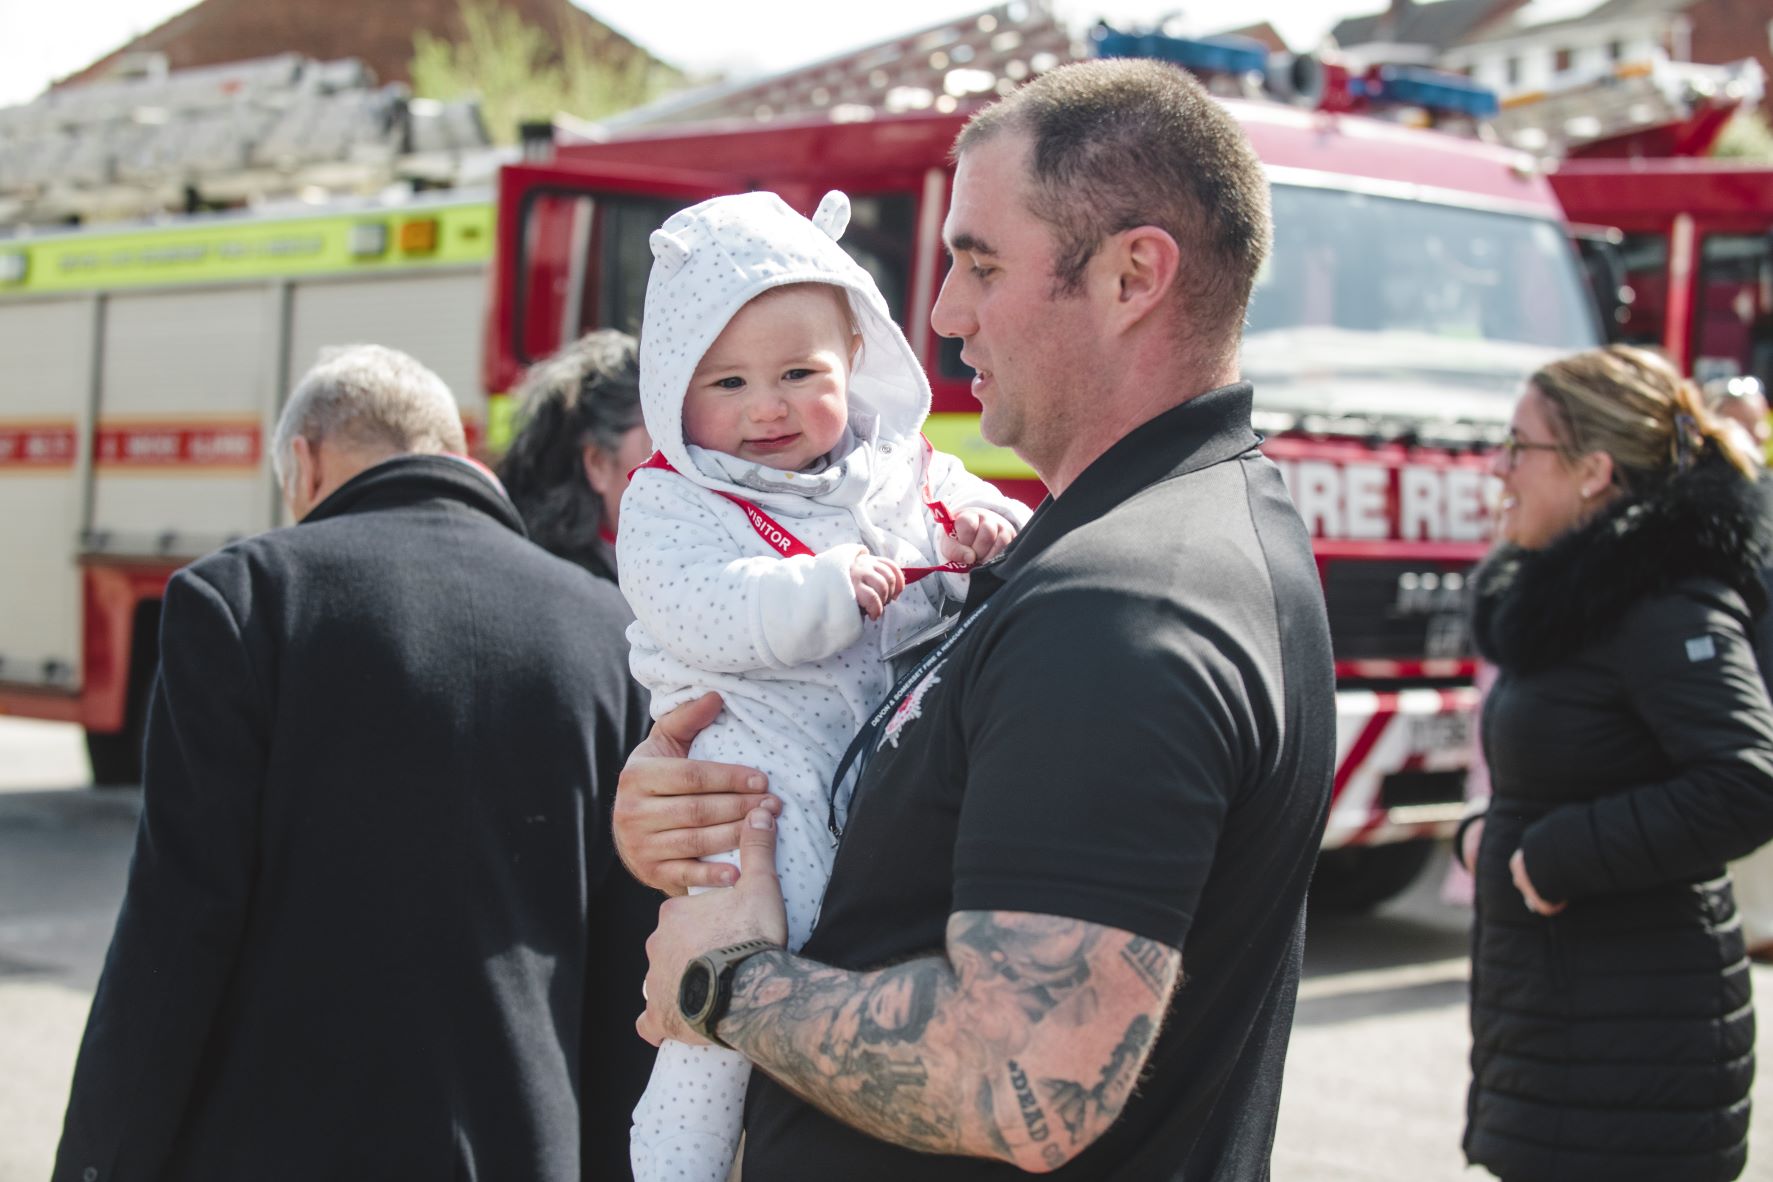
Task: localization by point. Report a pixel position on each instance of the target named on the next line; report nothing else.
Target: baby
(791, 536)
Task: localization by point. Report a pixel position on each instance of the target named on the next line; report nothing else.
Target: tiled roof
(957, 64)
(212, 32)
(1263, 32)
(1439, 24)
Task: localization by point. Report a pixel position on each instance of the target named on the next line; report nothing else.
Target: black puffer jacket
(1630, 743)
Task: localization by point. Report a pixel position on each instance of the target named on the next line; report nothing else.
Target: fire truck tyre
(1357, 879)
(117, 757)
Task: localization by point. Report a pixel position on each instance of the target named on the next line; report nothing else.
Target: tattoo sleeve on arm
(1147, 958)
(986, 1110)
(1078, 1106)
(972, 1051)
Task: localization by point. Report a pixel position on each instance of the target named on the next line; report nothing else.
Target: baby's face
(773, 388)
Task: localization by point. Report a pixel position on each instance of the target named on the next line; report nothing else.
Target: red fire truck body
(1677, 243)
(1696, 253)
(1417, 278)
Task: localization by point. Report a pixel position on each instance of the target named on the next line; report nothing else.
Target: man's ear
(303, 490)
(1145, 262)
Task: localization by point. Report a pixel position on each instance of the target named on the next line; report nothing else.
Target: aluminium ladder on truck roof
(1686, 101)
(246, 132)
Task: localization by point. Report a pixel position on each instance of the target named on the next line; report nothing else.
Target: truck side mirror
(1604, 265)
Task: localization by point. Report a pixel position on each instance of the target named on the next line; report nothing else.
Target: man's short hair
(368, 397)
(1121, 143)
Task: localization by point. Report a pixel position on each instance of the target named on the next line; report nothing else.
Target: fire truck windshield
(1382, 307)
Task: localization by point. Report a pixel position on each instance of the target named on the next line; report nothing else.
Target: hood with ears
(713, 258)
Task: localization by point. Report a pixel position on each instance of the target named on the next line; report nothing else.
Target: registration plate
(1445, 734)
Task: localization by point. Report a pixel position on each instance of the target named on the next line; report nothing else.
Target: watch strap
(721, 963)
(1473, 814)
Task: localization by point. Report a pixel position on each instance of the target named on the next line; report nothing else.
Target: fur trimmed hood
(1533, 608)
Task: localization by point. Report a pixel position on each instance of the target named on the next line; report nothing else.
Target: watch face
(693, 991)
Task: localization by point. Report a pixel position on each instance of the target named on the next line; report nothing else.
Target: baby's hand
(979, 536)
(877, 582)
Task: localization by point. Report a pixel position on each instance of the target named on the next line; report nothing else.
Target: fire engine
(146, 361)
(1417, 276)
(1687, 260)
(1693, 256)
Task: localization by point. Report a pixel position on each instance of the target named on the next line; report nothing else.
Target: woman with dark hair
(1630, 745)
(579, 435)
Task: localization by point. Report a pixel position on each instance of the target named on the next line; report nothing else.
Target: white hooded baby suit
(717, 607)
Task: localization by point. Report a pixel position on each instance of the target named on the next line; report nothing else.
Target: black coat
(1763, 633)
(355, 939)
(1630, 744)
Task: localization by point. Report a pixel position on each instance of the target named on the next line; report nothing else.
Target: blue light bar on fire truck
(1209, 55)
(1431, 90)
(1327, 85)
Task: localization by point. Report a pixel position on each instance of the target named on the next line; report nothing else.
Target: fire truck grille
(1397, 610)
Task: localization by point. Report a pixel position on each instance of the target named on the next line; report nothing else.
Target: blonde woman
(1630, 745)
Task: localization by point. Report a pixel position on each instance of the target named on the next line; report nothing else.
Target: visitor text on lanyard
(789, 546)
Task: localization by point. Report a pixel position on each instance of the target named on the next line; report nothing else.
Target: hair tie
(1688, 442)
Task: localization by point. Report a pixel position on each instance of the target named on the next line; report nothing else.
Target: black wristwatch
(1476, 811)
(706, 989)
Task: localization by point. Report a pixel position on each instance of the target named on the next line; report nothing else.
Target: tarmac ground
(1376, 1073)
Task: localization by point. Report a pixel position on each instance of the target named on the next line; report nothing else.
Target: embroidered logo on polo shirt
(909, 709)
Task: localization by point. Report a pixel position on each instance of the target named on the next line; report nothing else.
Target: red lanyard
(786, 544)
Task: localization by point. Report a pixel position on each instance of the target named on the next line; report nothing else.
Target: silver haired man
(359, 406)
(354, 940)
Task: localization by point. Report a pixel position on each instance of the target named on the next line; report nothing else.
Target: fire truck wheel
(117, 757)
(1357, 879)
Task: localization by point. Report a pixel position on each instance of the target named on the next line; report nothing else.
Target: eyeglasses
(1513, 446)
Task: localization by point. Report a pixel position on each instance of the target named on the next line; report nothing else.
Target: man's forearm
(854, 1043)
(1004, 1047)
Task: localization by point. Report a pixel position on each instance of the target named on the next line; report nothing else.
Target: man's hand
(751, 910)
(671, 810)
(877, 583)
(1517, 866)
(979, 536)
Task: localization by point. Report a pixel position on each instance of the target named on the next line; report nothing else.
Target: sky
(41, 40)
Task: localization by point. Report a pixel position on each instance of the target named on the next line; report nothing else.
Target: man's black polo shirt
(1139, 732)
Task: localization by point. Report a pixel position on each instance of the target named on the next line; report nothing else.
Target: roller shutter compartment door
(437, 318)
(180, 456)
(43, 415)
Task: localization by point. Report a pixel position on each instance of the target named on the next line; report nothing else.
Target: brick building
(1729, 30)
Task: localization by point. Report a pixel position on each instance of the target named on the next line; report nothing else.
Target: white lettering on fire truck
(1377, 502)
